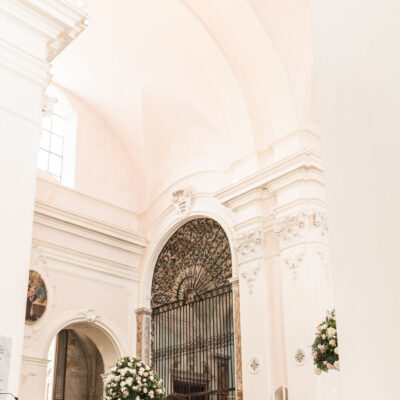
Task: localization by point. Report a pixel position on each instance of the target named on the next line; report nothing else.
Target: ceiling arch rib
(255, 63)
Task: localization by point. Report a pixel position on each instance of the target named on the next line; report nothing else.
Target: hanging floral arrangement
(132, 379)
(325, 347)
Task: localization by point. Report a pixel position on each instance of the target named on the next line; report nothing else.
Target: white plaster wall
(104, 169)
(358, 78)
(91, 270)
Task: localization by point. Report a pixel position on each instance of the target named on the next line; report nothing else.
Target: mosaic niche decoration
(195, 260)
(36, 300)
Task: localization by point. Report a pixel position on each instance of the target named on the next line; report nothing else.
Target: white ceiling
(210, 80)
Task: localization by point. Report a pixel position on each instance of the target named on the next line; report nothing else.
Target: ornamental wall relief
(292, 259)
(299, 356)
(196, 259)
(249, 272)
(247, 244)
(290, 227)
(182, 202)
(320, 225)
(254, 365)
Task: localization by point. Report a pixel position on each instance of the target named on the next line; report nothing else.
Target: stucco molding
(89, 228)
(41, 25)
(291, 227)
(85, 262)
(182, 202)
(292, 260)
(248, 245)
(249, 273)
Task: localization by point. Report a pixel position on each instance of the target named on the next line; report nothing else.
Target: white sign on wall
(5, 354)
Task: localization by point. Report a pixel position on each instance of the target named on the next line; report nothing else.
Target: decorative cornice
(57, 23)
(44, 29)
(40, 362)
(86, 261)
(24, 64)
(303, 161)
(89, 228)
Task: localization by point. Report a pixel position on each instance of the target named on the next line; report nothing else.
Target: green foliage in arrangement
(325, 349)
(132, 379)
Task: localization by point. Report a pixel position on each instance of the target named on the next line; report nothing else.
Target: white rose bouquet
(132, 379)
(325, 347)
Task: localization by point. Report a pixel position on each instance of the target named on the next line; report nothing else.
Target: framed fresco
(36, 300)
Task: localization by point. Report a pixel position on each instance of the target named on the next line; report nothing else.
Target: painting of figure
(36, 300)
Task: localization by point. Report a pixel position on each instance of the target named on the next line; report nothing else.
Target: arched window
(58, 140)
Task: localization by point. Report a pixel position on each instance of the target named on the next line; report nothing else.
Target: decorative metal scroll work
(192, 313)
(196, 259)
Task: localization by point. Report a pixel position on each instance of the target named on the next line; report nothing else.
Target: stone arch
(191, 286)
(182, 268)
(163, 229)
(95, 329)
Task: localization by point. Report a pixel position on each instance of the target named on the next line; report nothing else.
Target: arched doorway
(192, 313)
(76, 364)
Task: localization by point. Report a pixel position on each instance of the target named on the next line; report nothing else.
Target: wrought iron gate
(192, 335)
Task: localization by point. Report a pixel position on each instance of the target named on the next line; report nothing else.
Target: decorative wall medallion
(254, 365)
(299, 357)
(293, 260)
(182, 201)
(249, 273)
(248, 243)
(36, 300)
(290, 227)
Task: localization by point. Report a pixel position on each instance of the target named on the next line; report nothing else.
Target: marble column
(33, 33)
(143, 334)
(237, 337)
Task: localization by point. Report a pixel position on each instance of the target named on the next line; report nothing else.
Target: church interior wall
(233, 125)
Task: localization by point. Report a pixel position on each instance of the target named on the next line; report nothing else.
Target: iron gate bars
(193, 345)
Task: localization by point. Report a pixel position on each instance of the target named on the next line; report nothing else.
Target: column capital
(300, 225)
(248, 245)
(143, 311)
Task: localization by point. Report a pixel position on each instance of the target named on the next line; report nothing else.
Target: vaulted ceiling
(191, 85)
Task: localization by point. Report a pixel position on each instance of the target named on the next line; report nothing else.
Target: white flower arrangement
(325, 347)
(132, 379)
